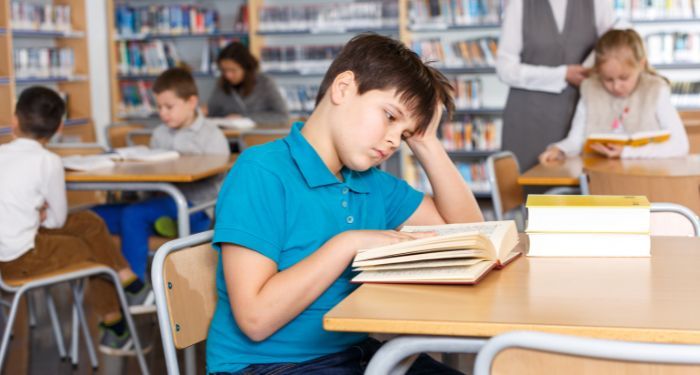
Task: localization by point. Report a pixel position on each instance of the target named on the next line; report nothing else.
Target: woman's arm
(271, 108)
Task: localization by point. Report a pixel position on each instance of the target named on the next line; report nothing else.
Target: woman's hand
(609, 150)
(575, 74)
(550, 155)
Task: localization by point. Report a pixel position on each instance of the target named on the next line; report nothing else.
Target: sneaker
(141, 302)
(166, 227)
(118, 345)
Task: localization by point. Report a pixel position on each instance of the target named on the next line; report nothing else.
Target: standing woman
(243, 91)
(543, 44)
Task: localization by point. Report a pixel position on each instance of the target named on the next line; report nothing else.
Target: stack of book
(588, 226)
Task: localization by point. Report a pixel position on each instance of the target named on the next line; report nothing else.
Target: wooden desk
(186, 168)
(645, 299)
(564, 173)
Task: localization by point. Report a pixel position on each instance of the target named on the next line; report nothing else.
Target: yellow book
(588, 214)
(635, 139)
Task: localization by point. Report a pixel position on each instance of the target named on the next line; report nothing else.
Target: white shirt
(536, 77)
(30, 176)
(668, 119)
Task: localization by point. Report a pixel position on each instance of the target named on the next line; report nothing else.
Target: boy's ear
(343, 85)
(193, 101)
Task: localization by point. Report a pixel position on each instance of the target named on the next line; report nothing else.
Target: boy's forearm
(452, 196)
(288, 293)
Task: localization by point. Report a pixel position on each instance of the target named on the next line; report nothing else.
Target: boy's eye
(389, 116)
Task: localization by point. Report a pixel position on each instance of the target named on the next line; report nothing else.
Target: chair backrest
(117, 133)
(191, 295)
(671, 219)
(254, 137)
(506, 194)
(583, 347)
(139, 137)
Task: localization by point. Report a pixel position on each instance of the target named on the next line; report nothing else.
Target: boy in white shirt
(37, 236)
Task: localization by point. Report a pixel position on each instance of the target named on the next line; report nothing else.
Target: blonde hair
(613, 41)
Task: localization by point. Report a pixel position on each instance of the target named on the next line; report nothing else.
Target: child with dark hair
(243, 91)
(292, 213)
(186, 131)
(37, 236)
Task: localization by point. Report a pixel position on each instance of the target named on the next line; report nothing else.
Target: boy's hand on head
(430, 133)
(609, 150)
(367, 239)
(551, 155)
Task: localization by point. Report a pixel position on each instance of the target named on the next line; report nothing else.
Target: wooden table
(563, 173)
(644, 299)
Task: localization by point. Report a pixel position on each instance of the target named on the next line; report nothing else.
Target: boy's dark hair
(39, 112)
(381, 63)
(239, 53)
(178, 80)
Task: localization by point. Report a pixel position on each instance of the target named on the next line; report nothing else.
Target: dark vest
(533, 119)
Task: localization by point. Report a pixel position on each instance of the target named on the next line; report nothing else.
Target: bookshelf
(142, 47)
(62, 37)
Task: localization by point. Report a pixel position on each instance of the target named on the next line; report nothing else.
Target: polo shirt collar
(311, 166)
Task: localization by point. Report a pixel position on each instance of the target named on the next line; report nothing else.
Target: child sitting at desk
(292, 213)
(186, 131)
(624, 95)
(36, 234)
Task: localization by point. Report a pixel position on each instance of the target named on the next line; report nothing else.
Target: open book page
(143, 153)
(87, 162)
(453, 241)
(242, 123)
(503, 235)
(422, 257)
(422, 264)
(448, 275)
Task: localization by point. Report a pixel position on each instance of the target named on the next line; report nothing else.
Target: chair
(585, 347)
(184, 281)
(75, 275)
(671, 219)
(254, 137)
(117, 133)
(503, 170)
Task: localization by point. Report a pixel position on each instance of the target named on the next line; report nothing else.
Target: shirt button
(349, 219)
(344, 204)
(345, 190)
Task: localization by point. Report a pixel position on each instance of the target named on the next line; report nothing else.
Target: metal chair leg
(8, 327)
(30, 308)
(78, 303)
(55, 324)
(75, 335)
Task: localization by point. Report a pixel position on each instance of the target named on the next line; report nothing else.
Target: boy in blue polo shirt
(292, 213)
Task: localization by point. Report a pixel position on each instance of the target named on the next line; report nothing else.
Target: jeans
(351, 361)
(133, 222)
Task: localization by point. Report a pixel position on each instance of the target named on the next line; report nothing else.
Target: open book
(142, 153)
(87, 162)
(635, 139)
(458, 254)
(241, 123)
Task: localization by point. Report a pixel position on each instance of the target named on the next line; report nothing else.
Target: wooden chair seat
(17, 282)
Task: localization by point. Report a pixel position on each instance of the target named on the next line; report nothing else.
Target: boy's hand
(551, 155)
(42, 212)
(609, 150)
(234, 116)
(367, 239)
(430, 133)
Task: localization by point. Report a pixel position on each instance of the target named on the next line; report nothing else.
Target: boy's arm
(453, 200)
(56, 207)
(265, 300)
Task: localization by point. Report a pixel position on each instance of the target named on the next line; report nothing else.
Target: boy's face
(371, 127)
(176, 112)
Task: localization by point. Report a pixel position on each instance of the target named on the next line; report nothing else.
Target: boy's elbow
(254, 326)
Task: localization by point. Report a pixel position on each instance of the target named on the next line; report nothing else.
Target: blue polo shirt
(282, 201)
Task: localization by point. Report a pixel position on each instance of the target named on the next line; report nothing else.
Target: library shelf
(76, 121)
(479, 111)
(49, 80)
(643, 21)
(151, 36)
(678, 66)
(151, 77)
(440, 28)
(468, 70)
(380, 30)
(19, 33)
(295, 73)
(477, 154)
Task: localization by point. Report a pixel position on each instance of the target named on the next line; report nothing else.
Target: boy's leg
(112, 216)
(137, 225)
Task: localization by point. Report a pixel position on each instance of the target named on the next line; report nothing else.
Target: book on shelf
(685, 94)
(87, 162)
(164, 19)
(44, 62)
(152, 57)
(467, 92)
(588, 225)
(309, 59)
(41, 17)
(472, 134)
(137, 98)
(437, 14)
(655, 10)
(473, 173)
(334, 17)
(635, 139)
(241, 123)
(673, 48)
(142, 153)
(457, 254)
(300, 97)
(468, 53)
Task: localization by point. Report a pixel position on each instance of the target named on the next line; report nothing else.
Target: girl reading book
(623, 96)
